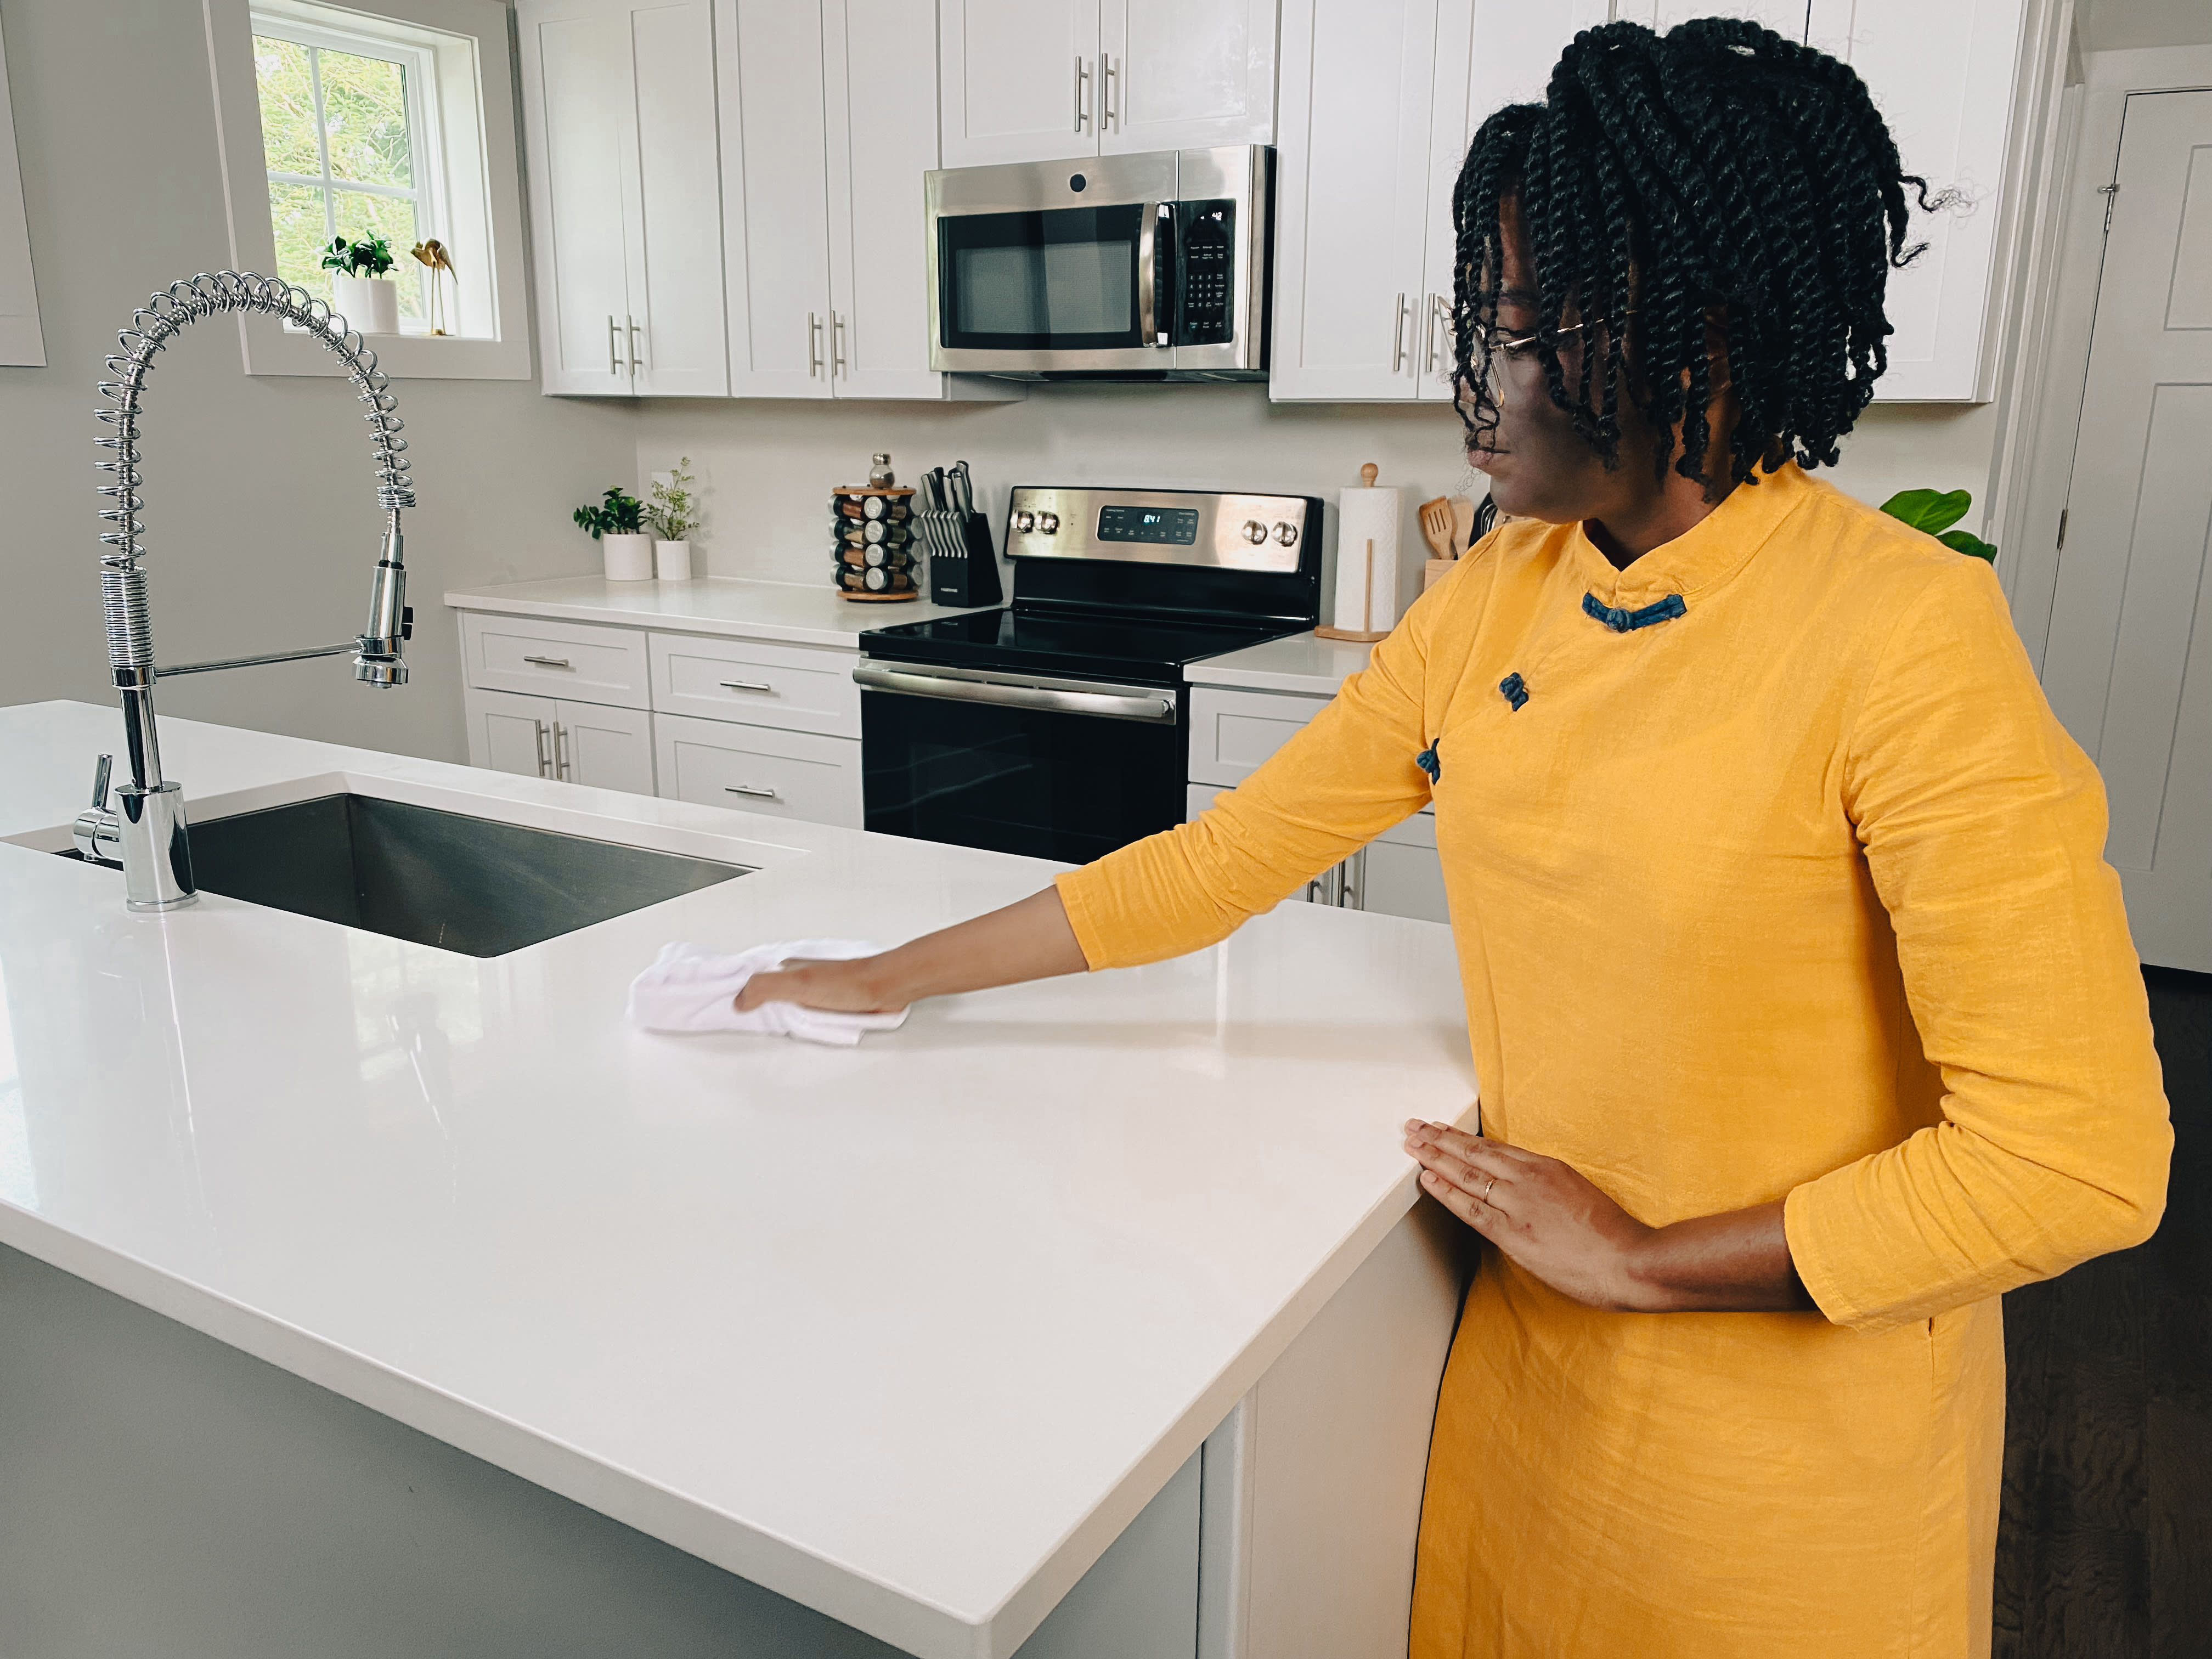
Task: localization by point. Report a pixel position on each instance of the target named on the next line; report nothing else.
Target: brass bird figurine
(432, 253)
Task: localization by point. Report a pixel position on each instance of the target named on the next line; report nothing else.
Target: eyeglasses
(1516, 345)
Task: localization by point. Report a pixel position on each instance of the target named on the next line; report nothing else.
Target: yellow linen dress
(1787, 887)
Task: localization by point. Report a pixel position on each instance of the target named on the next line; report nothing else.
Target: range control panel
(1162, 526)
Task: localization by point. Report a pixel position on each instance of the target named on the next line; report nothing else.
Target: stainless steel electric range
(1059, 725)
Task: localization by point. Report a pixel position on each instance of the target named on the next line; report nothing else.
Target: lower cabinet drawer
(583, 661)
(756, 768)
(800, 688)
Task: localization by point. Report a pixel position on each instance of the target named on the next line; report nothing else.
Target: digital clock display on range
(1172, 526)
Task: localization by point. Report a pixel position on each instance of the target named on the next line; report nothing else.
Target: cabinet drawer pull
(747, 789)
(745, 685)
(548, 662)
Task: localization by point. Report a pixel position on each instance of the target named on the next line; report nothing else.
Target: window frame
(425, 143)
(473, 190)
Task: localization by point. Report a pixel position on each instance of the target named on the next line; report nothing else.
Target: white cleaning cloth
(691, 989)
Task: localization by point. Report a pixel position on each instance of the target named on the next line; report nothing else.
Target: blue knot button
(1623, 622)
(1427, 760)
(1515, 690)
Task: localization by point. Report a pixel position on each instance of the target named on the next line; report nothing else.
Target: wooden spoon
(1436, 526)
(1462, 511)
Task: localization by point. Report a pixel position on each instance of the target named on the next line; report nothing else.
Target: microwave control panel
(1206, 296)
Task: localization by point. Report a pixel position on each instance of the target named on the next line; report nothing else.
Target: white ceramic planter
(671, 560)
(371, 304)
(629, 558)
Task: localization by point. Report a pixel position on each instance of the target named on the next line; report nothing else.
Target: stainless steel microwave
(1150, 267)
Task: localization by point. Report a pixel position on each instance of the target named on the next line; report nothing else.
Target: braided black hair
(1719, 177)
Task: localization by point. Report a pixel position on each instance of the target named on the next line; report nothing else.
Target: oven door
(1052, 267)
(1051, 769)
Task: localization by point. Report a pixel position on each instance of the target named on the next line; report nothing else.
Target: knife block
(963, 566)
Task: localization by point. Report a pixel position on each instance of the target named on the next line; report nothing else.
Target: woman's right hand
(1031, 939)
(852, 987)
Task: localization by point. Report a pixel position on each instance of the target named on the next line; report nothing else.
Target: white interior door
(1019, 79)
(576, 99)
(1186, 73)
(775, 210)
(1352, 198)
(675, 244)
(1943, 78)
(878, 148)
(2128, 664)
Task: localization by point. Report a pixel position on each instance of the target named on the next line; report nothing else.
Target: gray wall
(261, 525)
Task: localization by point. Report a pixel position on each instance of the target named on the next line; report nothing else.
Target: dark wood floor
(2106, 1550)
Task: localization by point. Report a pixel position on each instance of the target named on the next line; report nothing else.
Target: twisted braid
(1718, 178)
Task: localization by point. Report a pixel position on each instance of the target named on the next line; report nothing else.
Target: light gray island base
(162, 1494)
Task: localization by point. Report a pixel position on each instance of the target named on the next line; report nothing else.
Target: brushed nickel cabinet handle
(813, 344)
(634, 363)
(748, 789)
(1112, 86)
(544, 759)
(838, 363)
(548, 662)
(1082, 90)
(745, 685)
(614, 361)
(1398, 334)
(560, 750)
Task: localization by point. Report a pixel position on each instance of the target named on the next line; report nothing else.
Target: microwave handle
(1152, 304)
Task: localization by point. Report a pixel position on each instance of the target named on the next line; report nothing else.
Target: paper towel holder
(1363, 636)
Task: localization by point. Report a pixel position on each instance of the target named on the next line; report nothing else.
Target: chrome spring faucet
(145, 831)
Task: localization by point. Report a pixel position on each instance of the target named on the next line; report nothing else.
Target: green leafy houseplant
(1936, 511)
(368, 258)
(674, 510)
(620, 514)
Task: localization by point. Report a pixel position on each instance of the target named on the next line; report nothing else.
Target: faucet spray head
(377, 660)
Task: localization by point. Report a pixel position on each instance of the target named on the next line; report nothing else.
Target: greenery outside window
(347, 127)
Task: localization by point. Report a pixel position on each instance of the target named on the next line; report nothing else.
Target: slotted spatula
(1436, 528)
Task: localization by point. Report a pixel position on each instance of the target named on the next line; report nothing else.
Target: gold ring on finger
(1486, 1191)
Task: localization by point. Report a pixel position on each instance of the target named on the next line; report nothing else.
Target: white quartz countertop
(907, 1333)
(1304, 662)
(793, 612)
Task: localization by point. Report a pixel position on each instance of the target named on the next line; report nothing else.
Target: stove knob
(1287, 534)
(1254, 532)
(1026, 522)
(1049, 522)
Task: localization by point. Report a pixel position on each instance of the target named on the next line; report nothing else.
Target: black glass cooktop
(1145, 650)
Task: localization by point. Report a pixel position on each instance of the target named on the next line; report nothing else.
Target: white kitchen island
(908, 1334)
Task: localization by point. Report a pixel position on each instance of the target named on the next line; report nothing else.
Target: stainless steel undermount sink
(441, 879)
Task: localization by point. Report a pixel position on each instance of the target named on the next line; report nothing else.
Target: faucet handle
(99, 776)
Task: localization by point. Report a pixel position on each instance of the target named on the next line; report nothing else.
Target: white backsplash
(766, 469)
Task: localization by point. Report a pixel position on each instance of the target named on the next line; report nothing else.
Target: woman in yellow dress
(1801, 998)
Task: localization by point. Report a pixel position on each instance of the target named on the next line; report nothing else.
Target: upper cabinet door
(576, 91)
(1186, 73)
(1448, 131)
(879, 150)
(678, 343)
(775, 196)
(1943, 78)
(1352, 198)
(1020, 79)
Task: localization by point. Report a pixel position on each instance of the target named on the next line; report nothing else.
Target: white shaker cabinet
(829, 120)
(618, 101)
(1020, 79)
(1945, 78)
(1052, 80)
(1353, 197)
(775, 196)
(1185, 74)
(594, 744)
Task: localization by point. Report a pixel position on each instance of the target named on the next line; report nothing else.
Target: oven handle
(1154, 706)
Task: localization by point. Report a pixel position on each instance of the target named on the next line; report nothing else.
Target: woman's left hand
(1547, 1217)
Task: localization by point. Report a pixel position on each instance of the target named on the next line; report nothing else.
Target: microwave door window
(1063, 279)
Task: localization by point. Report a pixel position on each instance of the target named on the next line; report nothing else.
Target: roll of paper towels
(1366, 558)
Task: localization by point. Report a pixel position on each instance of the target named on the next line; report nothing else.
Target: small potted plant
(674, 513)
(617, 525)
(360, 289)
